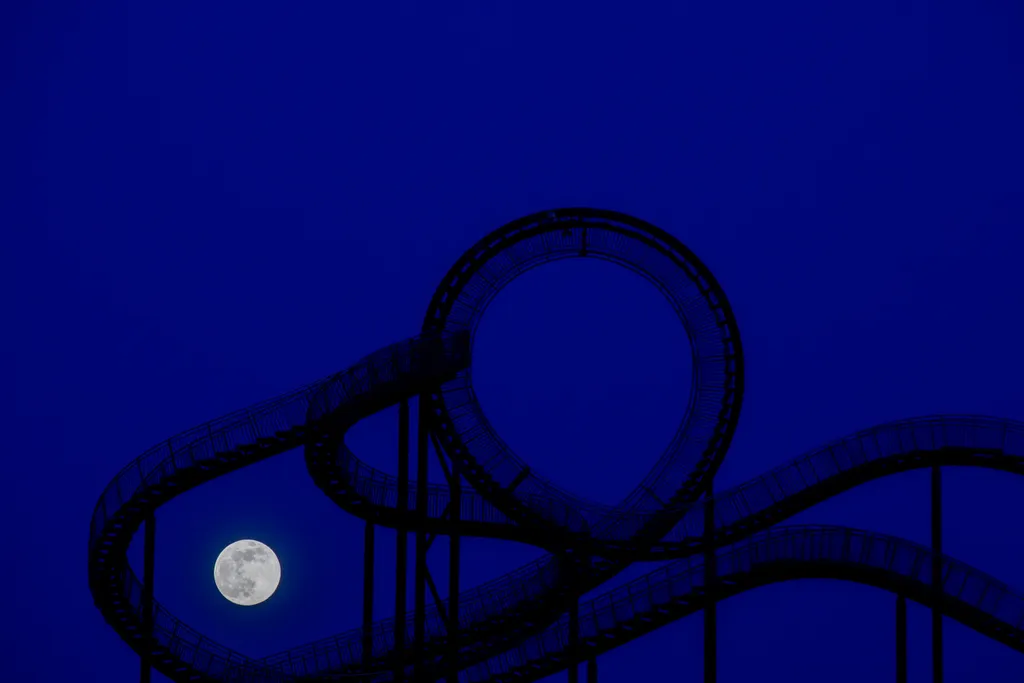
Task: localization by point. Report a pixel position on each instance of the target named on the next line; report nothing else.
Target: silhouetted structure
(530, 623)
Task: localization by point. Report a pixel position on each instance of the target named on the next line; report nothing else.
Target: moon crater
(247, 572)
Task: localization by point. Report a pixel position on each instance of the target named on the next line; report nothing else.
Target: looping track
(514, 628)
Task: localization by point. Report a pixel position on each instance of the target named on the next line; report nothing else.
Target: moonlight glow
(247, 572)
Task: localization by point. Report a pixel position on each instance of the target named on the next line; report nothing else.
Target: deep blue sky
(208, 204)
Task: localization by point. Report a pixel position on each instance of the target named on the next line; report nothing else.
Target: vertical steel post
(574, 638)
(402, 549)
(368, 557)
(710, 579)
(937, 574)
(901, 639)
(454, 561)
(149, 556)
(592, 670)
(420, 581)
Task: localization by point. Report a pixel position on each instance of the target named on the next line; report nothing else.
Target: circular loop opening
(584, 369)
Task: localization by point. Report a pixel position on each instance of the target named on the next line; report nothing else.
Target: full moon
(247, 572)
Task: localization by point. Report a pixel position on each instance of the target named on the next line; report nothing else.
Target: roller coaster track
(516, 627)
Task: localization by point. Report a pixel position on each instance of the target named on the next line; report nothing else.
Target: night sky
(209, 204)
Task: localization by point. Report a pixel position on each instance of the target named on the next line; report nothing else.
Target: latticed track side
(716, 392)
(200, 455)
(826, 471)
(514, 628)
(794, 552)
(894, 451)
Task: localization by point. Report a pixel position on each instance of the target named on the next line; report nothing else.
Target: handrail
(659, 520)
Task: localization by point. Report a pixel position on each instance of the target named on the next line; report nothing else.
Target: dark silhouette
(530, 623)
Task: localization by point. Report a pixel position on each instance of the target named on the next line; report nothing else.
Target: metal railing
(281, 419)
(845, 462)
(644, 603)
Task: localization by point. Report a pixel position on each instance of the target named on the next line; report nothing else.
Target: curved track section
(968, 440)
(545, 514)
(201, 455)
(972, 597)
(705, 431)
(536, 597)
(510, 627)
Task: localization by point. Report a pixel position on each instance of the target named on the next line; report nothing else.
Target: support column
(454, 561)
(710, 580)
(402, 549)
(574, 639)
(937, 574)
(901, 639)
(149, 557)
(368, 557)
(420, 580)
(592, 670)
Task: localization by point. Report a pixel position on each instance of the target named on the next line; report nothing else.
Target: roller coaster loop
(531, 623)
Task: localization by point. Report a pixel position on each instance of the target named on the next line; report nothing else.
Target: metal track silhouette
(516, 627)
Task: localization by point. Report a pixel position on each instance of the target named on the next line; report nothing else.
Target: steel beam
(402, 549)
(710, 579)
(149, 560)
(901, 639)
(937, 573)
(420, 580)
(454, 561)
(574, 638)
(368, 556)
